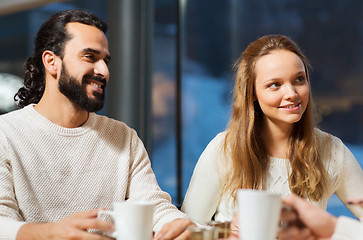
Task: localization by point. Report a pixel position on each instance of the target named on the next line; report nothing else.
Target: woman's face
(281, 87)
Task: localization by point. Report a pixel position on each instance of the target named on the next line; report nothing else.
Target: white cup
(258, 214)
(133, 220)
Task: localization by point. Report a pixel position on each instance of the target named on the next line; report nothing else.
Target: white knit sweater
(48, 172)
(204, 196)
(348, 229)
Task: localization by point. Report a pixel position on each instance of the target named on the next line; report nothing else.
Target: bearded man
(60, 162)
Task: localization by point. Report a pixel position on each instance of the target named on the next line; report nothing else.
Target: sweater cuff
(9, 228)
(348, 228)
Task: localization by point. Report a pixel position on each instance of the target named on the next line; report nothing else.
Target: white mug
(258, 214)
(133, 219)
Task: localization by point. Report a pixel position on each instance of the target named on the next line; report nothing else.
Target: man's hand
(72, 227)
(176, 229)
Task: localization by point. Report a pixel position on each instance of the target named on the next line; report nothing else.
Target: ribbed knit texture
(48, 172)
(348, 229)
(204, 196)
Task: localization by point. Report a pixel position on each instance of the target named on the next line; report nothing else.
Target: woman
(271, 142)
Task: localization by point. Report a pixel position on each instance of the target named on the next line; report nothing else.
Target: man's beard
(76, 92)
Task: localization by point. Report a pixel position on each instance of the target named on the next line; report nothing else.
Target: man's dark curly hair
(51, 36)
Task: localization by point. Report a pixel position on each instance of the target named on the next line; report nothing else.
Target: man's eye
(91, 57)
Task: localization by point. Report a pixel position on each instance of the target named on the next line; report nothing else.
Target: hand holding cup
(133, 220)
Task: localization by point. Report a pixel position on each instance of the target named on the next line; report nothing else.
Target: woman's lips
(291, 106)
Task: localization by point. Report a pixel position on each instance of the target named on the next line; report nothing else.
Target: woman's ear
(50, 62)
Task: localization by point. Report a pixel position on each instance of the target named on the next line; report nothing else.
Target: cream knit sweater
(348, 229)
(204, 197)
(48, 172)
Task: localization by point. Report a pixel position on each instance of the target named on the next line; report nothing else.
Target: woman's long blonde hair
(243, 143)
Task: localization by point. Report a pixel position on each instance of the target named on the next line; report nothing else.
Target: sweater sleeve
(10, 220)
(204, 191)
(9, 228)
(348, 228)
(143, 185)
(350, 181)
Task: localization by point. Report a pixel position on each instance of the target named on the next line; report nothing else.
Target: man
(59, 161)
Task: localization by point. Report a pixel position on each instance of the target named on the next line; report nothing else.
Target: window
(195, 46)
(213, 35)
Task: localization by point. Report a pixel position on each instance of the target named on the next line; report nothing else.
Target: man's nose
(101, 69)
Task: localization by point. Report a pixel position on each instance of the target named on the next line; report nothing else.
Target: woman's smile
(281, 87)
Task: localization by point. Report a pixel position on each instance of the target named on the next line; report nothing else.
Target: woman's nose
(290, 92)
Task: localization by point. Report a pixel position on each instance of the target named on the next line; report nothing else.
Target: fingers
(306, 234)
(88, 220)
(288, 215)
(233, 237)
(72, 227)
(64, 230)
(94, 223)
(184, 235)
(321, 223)
(234, 234)
(295, 202)
(288, 233)
(234, 222)
(79, 223)
(295, 233)
(172, 229)
(86, 214)
(83, 235)
(234, 227)
(176, 229)
(107, 238)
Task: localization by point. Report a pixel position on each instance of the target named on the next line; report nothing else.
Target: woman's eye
(273, 85)
(300, 79)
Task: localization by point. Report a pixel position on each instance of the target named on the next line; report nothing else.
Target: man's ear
(51, 62)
